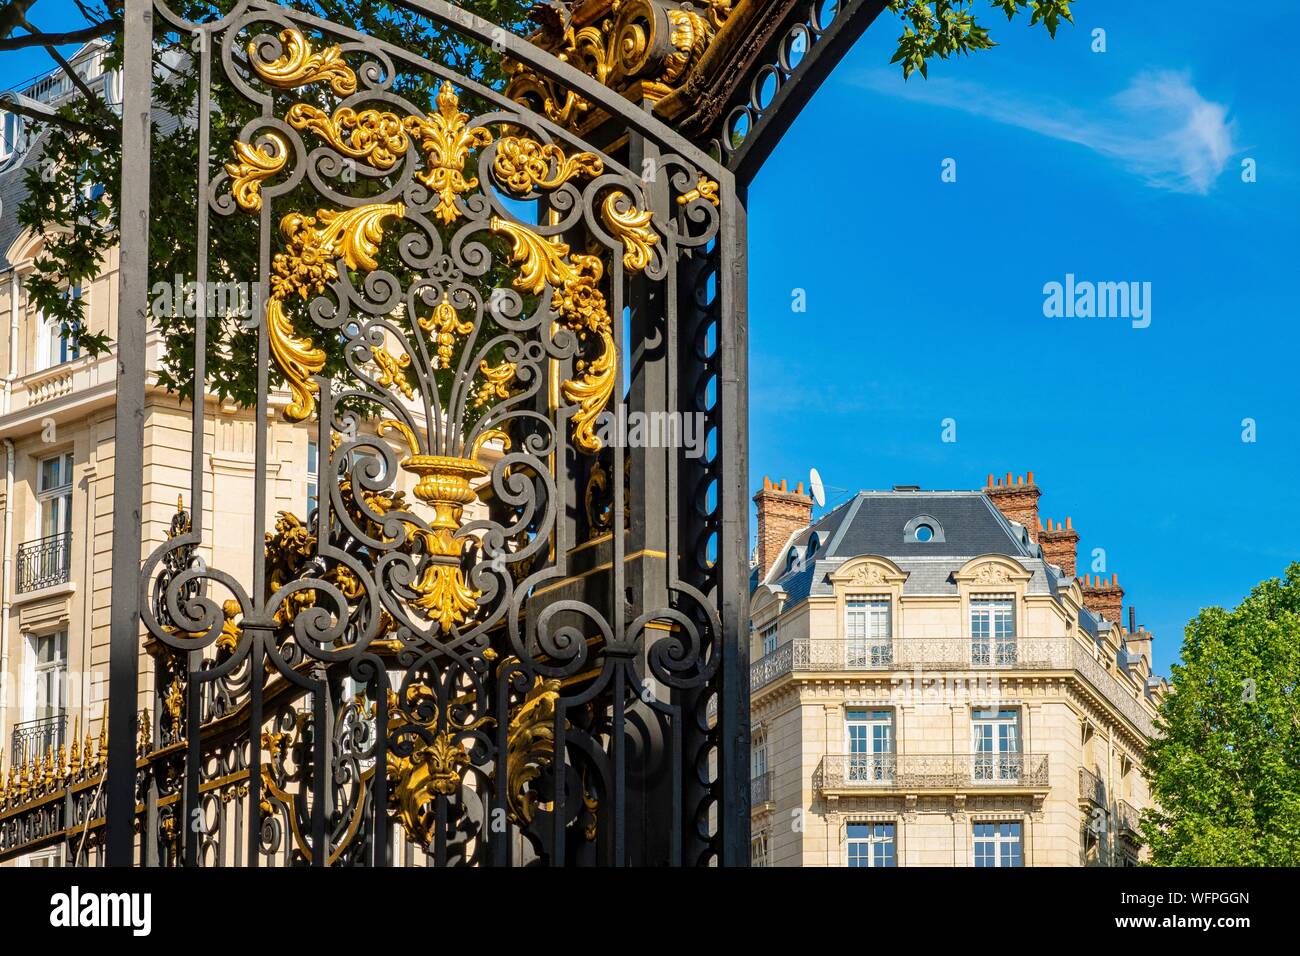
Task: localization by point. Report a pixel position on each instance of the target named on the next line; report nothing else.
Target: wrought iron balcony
(33, 739)
(1127, 817)
(1091, 788)
(909, 653)
(44, 562)
(953, 654)
(760, 789)
(913, 772)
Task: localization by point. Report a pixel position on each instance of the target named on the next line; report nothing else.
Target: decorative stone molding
(869, 572)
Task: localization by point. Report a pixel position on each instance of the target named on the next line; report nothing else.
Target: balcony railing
(760, 789)
(906, 654)
(1127, 817)
(931, 772)
(33, 739)
(44, 562)
(1091, 787)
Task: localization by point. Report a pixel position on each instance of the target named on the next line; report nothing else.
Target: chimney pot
(1031, 478)
(781, 512)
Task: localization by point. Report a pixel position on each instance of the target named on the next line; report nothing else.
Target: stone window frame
(989, 575)
(872, 576)
(868, 818)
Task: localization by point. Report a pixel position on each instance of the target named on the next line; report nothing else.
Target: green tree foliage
(942, 28)
(1225, 774)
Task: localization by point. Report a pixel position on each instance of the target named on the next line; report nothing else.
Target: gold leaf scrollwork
(253, 165)
(530, 746)
(299, 65)
(446, 140)
(376, 136)
(496, 382)
(632, 227)
(313, 246)
(522, 165)
(432, 769)
(445, 325)
(576, 297)
(706, 189)
(392, 370)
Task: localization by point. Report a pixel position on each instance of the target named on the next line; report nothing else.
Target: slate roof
(873, 522)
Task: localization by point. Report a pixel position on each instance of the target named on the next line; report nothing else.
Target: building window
(871, 745)
(871, 844)
(54, 495)
(50, 654)
(867, 640)
(998, 844)
(996, 744)
(52, 858)
(760, 845)
(53, 348)
(313, 475)
(11, 131)
(770, 639)
(758, 755)
(993, 630)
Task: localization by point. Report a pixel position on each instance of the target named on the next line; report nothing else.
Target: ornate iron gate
(505, 634)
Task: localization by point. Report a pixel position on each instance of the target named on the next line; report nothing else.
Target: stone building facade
(932, 685)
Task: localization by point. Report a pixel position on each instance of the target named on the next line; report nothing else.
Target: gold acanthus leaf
(446, 139)
(592, 392)
(252, 165)
(574, 278)
(375, 136)
(530, 745)
(522, 165)
(314, 244)
(391, 370)
(496, 382)
(577, 299)
(631, 227)
(300, 65)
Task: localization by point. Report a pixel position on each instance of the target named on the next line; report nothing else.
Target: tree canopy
(1225, 774)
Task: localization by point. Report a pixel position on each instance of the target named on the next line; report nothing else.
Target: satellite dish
(815, 486)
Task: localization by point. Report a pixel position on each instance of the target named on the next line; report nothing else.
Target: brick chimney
(780, 513)
(1103, 597)
(1060, 545)
(1018, 500)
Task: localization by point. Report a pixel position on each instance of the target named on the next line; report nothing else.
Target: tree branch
(70, 36)
(76, 126)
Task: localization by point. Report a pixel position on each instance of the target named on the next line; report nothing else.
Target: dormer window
(923, 529)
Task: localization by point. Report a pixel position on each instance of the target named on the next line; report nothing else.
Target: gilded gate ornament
(300, 65)
(313, 244)
(446, 140)
(252, 165)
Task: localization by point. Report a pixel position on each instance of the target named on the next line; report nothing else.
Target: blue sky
(924, 299)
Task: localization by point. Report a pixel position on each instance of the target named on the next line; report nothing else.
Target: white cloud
(1159, 127)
